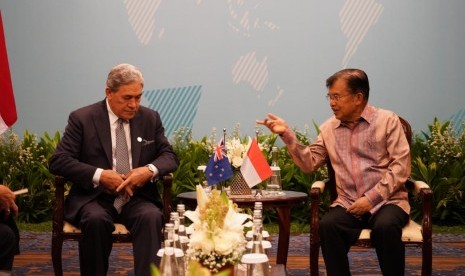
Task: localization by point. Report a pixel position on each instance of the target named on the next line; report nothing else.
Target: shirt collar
(111, 115)
(367, 115)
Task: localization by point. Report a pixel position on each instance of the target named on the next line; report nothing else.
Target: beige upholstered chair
(62, 230)
(413, 233)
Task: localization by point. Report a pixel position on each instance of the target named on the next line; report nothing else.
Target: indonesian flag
(255, 168)
(7, 100)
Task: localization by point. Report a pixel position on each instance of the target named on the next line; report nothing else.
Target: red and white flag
(255, 168)
(7, 100)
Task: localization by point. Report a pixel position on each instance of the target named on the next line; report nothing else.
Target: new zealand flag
(218, 168)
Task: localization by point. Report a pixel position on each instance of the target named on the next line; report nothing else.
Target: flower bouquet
(237, 150)
(217, 240)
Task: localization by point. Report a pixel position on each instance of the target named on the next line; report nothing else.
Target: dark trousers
(142, 218)
(9, 241)
(7, 247)
(340, 230)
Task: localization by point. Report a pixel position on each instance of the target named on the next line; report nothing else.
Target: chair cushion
(119, 228)
(410, 233)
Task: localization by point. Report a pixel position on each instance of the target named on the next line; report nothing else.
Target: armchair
(63, 230)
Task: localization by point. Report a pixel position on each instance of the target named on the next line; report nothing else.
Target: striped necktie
(122, 161)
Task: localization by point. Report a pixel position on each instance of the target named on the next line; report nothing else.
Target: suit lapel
(102, 126)
(136, 131)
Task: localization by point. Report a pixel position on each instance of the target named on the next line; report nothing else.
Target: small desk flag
(218, 168)
(255, 168)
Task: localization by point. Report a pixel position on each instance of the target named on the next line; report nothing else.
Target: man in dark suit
(88, 156)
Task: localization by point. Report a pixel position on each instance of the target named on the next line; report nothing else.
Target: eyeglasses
(336, 97)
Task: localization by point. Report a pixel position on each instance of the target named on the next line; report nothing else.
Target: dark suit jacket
(86, 146)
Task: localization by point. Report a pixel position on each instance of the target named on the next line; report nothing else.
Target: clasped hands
(360, 207)
(125, 184)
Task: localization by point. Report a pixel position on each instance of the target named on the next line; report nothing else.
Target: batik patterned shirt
(372, 159)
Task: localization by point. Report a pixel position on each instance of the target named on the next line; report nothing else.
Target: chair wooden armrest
(425, 195)
(58, 217)
(167, 181)
(319, 185)
(316, 192)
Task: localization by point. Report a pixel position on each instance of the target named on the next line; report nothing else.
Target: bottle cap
(177, 252)
(181, 208)
(254, 258)
(174, 215)
(184, 239)
(169, 251)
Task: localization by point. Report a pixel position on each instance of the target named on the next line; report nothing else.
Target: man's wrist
(96, 177)
(152, 169)
(286, 134)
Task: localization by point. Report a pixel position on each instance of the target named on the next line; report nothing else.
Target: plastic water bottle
(273, 186)
(169, 265)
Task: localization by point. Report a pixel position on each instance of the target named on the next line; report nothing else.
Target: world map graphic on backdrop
(244, 21)
(177, 106)
(458, 120)
(357, 17)
(244, 58)
(248, 69)
(141, 16)
(180, 105)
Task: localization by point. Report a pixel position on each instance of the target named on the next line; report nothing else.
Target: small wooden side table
(282, 205)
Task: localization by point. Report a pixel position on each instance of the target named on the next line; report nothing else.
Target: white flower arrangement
(237, 150)
(218, 238)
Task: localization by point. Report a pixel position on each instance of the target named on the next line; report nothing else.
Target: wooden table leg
(284, 217)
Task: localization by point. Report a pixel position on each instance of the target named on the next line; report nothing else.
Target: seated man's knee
(389, 222)
(146, 220)
(386, 229)
(325, 223)
(98, 219)
(385, 232)
(331, 219)
(151, 215)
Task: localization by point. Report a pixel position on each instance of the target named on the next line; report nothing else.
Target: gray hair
(123, 74)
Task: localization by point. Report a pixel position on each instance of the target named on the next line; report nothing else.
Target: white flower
(218, 230)
(235, 221)
(223, 243)
(236, 152)
(199, 240)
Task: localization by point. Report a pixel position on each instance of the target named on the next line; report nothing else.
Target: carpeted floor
(448, 259)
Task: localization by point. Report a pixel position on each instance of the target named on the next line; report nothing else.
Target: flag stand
(239, 186)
